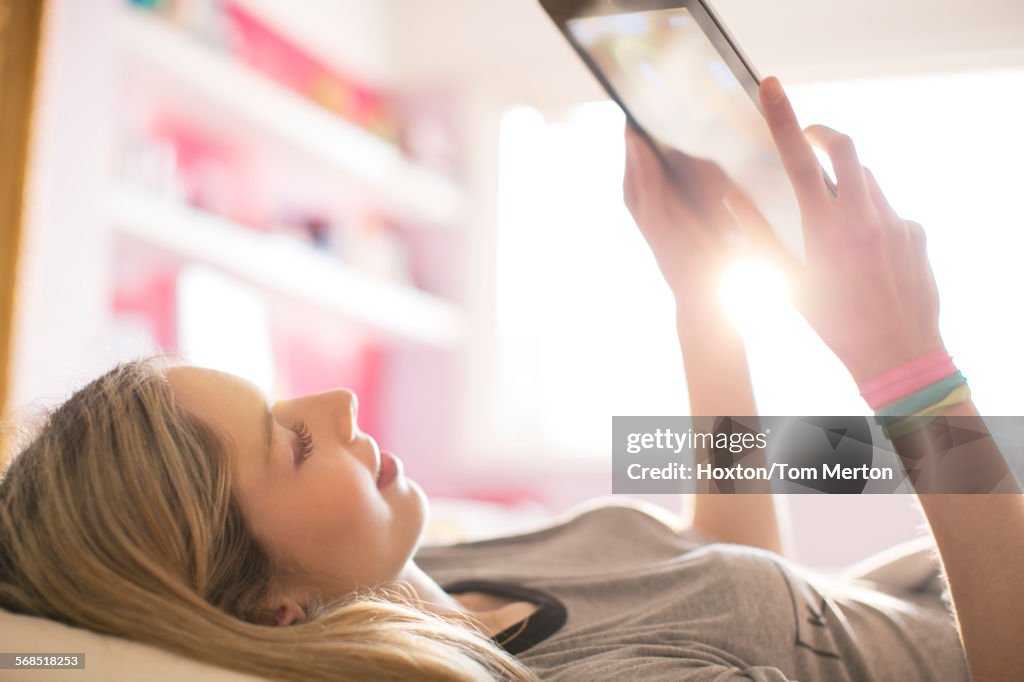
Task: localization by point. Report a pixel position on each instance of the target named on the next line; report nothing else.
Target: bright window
(586, 326)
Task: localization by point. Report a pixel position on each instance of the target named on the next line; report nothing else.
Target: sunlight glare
(753, 293)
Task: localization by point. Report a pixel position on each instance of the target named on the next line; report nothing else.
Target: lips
(389, 469)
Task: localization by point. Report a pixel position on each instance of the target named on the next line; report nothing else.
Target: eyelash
(305, 441)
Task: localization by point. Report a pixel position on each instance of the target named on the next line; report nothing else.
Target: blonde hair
(119, 517)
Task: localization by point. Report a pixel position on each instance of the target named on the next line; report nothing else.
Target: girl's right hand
(866, 286)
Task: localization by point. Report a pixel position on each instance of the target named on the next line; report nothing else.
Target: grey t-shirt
(643, 601)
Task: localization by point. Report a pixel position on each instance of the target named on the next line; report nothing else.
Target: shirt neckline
(549, 617)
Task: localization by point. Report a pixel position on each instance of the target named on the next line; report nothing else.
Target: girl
(173, 506)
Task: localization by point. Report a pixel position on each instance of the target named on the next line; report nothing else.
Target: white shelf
(399, 185)
(289, 267)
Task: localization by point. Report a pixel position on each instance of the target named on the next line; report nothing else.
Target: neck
(428, 592)
(434, 599)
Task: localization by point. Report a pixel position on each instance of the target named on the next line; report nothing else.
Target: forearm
(714, 359)
(718, 382)
(980, 538)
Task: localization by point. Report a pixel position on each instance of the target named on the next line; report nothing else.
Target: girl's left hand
(692, 234)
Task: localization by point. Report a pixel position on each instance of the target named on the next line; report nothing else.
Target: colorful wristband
(918, 400)
(920, 419)
(901, 381)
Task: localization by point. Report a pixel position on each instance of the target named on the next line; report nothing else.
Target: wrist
(696, 279)
(876, 364)
(909, 396)
(698, 299)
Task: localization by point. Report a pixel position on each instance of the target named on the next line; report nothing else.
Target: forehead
(192, 382)
(233, 404)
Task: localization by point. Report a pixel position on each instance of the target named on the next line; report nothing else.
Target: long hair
(119, 516)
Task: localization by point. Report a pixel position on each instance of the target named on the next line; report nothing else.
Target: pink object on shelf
(266, 50)
(216, 175)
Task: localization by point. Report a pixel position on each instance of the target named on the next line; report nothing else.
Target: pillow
(114, 659)
(106, 658)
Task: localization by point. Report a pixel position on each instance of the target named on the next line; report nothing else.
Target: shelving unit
(397, 184)
(318, 222)
(214, 81)
(286, 266)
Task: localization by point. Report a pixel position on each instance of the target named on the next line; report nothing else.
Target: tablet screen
(668, 74)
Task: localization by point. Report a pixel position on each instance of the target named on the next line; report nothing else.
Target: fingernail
(773, 88)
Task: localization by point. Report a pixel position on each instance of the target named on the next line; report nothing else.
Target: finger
(798, 158)
(683, 166)
(849, 173)
(629, 180)
(629, 134)
(757, 231)
(652, 178)
(645, 172)
(917, 235)
(878, 197)
(713, 202)
(694, 181)
(642, 152)
(627, 176)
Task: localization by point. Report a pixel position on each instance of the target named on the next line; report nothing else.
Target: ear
(284, 611)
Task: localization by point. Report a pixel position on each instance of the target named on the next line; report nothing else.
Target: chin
(419, 507)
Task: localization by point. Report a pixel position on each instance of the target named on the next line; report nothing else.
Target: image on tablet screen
(675, 84)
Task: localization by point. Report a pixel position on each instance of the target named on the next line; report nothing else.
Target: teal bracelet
(918, 400)
(907, 425)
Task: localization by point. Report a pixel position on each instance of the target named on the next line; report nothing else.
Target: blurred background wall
(421, 200)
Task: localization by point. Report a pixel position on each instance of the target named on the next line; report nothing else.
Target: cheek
(321, 512)
(335, 504)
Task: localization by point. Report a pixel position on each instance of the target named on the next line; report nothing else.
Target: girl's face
(310, 493)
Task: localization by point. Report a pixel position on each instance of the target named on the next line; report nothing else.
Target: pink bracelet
(899, 382)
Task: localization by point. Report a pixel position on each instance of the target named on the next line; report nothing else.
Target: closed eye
(304, 442)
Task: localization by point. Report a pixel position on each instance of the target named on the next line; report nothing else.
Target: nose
(348, 415)
(361, 444)
(338, 408)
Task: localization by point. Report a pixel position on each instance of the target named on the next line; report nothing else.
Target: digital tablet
(685, 84)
